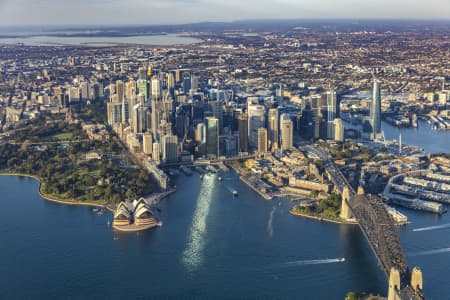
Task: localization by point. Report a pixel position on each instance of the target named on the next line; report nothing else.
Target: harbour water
(212, 246)
(431, 141)
(43, 40)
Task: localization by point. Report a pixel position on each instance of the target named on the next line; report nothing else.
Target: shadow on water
(363, 265)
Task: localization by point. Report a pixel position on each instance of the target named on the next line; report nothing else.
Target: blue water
(431, 141)
(212, 246)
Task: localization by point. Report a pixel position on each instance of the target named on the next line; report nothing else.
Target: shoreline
(89, 204)
(52, 198)
(323, 219)
(250, 185)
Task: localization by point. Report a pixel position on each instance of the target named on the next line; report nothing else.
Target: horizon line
(402, 19)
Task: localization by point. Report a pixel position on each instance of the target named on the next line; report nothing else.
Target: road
(336, 176)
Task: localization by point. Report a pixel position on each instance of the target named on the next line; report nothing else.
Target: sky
(107, 12)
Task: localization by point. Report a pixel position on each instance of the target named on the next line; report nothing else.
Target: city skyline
(154, 12)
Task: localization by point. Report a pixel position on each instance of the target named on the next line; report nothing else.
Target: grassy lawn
(67, 136)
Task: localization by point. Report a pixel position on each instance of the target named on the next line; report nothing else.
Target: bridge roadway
(376, 225)
(206, 162)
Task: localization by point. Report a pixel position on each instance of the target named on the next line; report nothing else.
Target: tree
(351, 296)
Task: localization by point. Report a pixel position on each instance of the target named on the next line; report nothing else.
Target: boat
(220, 178)
(95, 209)
(341, 259)
(235, 193)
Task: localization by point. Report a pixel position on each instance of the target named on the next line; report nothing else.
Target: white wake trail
(443, 226)
(312, 262)
(299, 263)
(270, 223)
(431, 252)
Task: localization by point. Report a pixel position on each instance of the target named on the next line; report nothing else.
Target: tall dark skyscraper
(375, 110)
(243, 132)
(212, 137)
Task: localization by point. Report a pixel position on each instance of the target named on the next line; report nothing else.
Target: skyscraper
(338, 130)
(147, 143)
(287, 133)
(212, 137)
(329, 114)
(156, 119)
(125, 111)
(217, 112)
(375, 110)
(114, 112)
(243, 132)
(171, 84)
(156, 89)
(311, 106)
(120, 88)
(256, 119)
(262, 140)
(143, 88)
(130, 89)
(156, 152)
(170, 148)
(140, 121)
(200, 133)
(273, 126)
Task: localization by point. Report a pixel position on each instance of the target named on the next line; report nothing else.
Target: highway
(336, 176)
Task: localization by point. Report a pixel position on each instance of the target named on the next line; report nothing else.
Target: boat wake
(270, 223)
(443, 226)
(431, 252)
(299, 263)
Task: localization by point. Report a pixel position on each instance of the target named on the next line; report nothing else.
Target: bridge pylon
(345, 209)
(416, 280)
(360, 190)
(394, 285)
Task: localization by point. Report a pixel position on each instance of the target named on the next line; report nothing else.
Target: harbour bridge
(380, 231)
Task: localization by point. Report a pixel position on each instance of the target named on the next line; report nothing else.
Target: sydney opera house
(134, 216)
